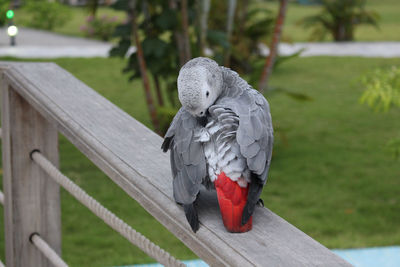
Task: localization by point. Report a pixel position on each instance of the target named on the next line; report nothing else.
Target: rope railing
(47, 251)
(107, 216)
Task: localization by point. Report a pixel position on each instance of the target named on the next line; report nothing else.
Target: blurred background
(329, 68)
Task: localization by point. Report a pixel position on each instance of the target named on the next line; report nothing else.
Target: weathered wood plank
(130, 154)
(31, 198)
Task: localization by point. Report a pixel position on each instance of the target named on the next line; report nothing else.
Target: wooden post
(32, 200)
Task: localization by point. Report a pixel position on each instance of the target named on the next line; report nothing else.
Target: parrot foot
(192, 216)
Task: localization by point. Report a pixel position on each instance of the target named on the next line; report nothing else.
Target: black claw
(192, 216)
(260, 203)
(166, 144)
(246, 214)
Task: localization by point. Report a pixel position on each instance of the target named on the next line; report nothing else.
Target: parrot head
(199, 85)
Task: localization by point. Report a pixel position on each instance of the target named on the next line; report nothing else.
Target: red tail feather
(232, 199)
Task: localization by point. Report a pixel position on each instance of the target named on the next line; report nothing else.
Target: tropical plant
(46, 15)
(339, 18)
(168, 33)
(238, 47)
(160, 31)
(383, 92)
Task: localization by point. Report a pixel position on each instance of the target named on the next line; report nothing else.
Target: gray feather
(251, 150)
(188, 162)
(258, 162)
(254, 134)
(184, 191)
(258, 126)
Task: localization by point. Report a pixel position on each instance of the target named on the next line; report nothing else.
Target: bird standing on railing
(221, 136)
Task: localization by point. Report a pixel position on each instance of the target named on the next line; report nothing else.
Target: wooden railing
(42, 99)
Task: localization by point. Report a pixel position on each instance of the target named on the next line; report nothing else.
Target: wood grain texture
(130, 154)
(32, 201)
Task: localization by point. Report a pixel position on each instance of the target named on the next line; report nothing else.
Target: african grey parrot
(221, 137)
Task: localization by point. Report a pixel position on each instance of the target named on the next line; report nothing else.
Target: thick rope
(108, 217)
(47, 251)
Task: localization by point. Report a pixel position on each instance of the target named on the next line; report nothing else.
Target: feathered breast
(221, 149)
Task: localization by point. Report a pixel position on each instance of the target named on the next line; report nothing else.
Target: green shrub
(382, 88)
(383, 92)
(47, 15)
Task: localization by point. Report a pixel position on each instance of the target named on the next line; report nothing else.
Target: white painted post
(32, 200)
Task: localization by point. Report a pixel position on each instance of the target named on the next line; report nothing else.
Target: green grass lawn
(332, 178)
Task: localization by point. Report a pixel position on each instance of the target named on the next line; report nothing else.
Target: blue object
(190, 263)
(371, 257)
(359, 257)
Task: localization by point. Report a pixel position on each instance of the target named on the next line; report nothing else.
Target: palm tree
(339, 18)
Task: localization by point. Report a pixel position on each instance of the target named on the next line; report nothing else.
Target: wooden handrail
(129, 153)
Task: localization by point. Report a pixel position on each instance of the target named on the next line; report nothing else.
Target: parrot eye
(207, 94)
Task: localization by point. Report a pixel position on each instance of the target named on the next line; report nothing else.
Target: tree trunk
(242, 16)
(93, 5)
(185, 28)
(229, 29)
(343, 32)
(269, 63)
(142, 66)
(158, 91)
(203, 9)
(178, 37)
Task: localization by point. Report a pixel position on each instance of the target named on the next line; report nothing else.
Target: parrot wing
(188, 162)
(254, 136)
